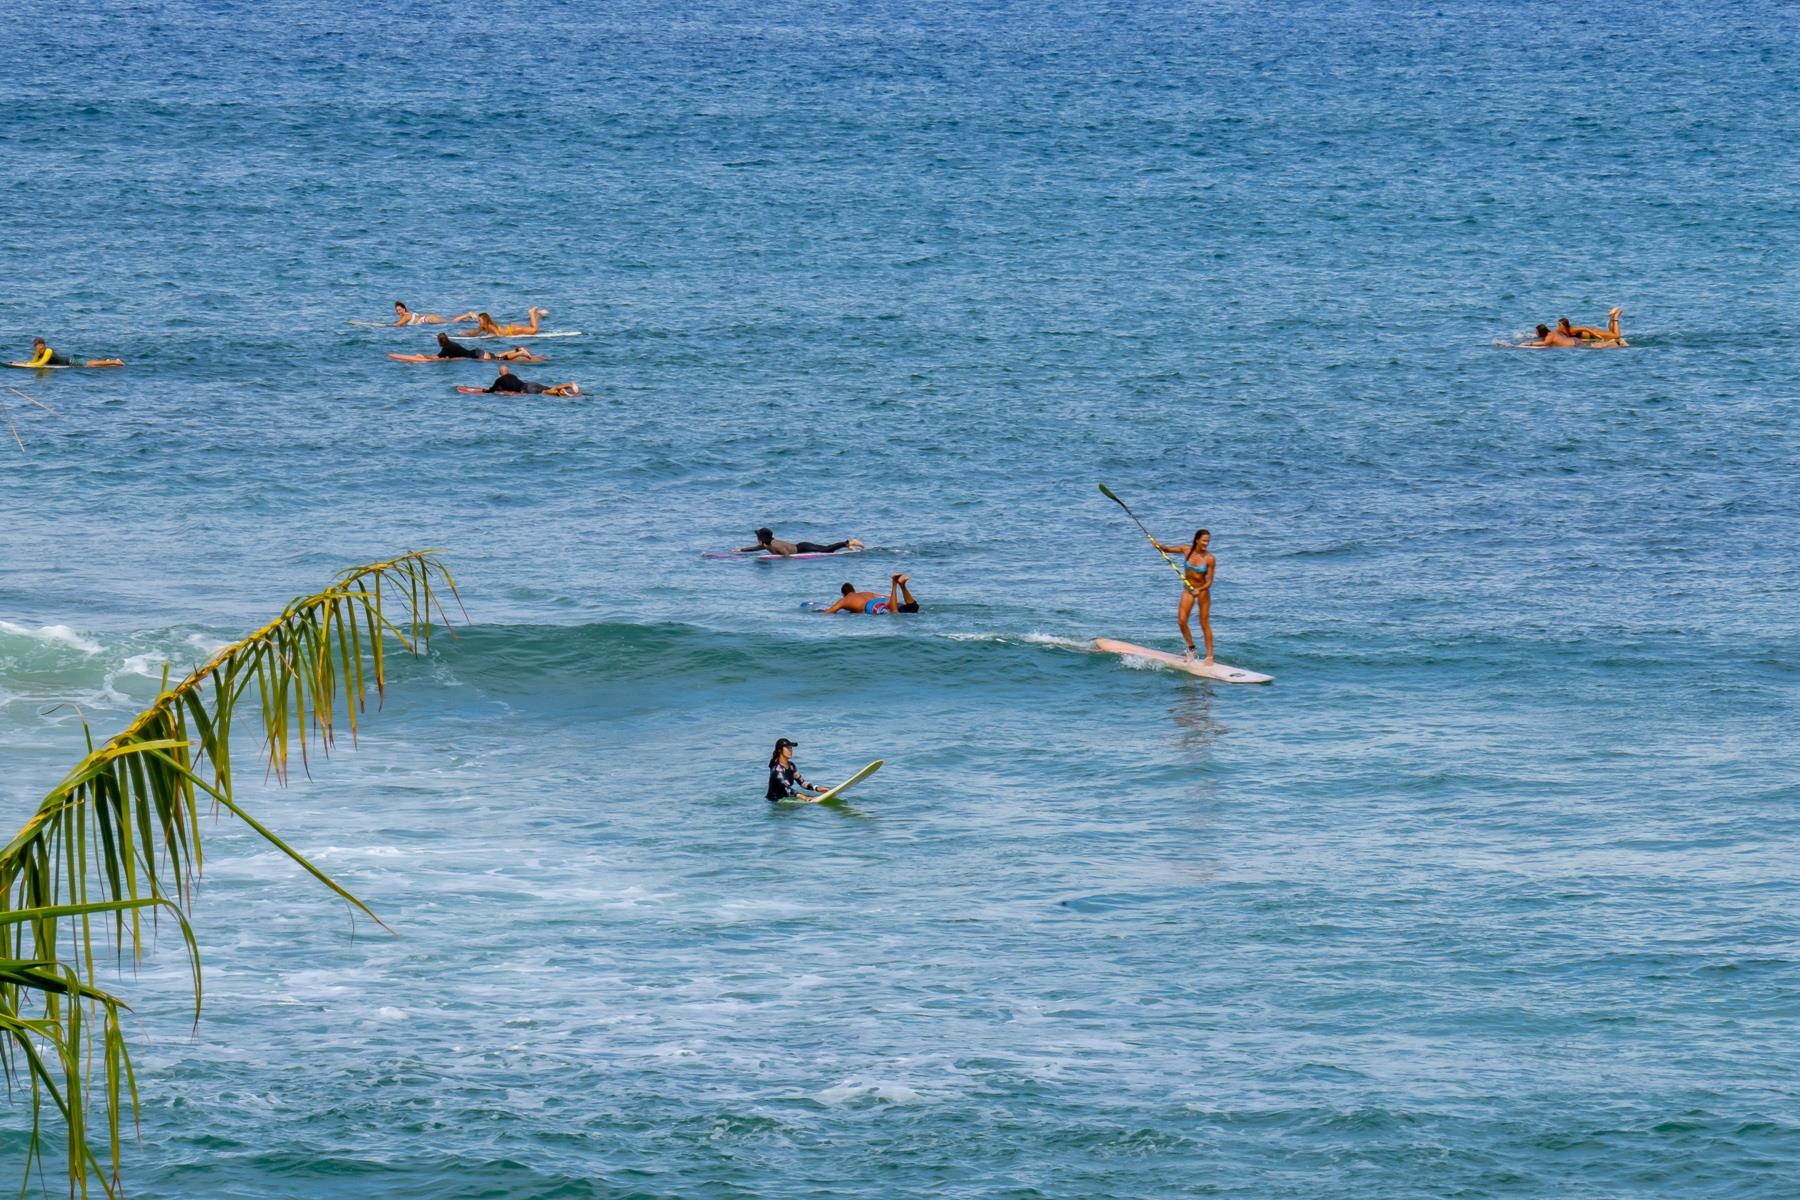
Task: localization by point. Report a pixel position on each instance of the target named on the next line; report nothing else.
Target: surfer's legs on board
(900, 597)
(1188, 603)
(1205, 604)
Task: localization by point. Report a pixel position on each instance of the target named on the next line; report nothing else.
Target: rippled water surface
(1490, 894)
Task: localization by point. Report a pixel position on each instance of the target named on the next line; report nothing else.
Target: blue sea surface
(1491, 894)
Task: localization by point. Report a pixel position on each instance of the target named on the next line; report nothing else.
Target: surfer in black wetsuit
(448, 351)
(785, 780)
(768, 543)
(509, 383)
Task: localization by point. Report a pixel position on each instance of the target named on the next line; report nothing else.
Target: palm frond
(121, 833)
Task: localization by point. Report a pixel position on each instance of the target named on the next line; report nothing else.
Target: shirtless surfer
(768, 543)
(43, 356)
(1548, 338)
(898, 600)
(1566, 334)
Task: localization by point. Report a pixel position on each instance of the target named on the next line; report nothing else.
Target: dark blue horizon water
(1491, 894)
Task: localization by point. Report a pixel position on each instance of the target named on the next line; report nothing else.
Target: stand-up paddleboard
(826, 797)
(1176, 662)
(764, 556)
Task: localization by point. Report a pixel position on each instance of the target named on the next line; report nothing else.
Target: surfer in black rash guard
(785, 780)
(449, 351)
(508, 383)
(768, 543)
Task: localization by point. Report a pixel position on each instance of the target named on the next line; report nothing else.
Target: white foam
(856, 1089)
(60, 635)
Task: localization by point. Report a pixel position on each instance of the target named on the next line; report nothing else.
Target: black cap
(780, 742)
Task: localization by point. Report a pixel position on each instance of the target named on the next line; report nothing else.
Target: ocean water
(1491, 894)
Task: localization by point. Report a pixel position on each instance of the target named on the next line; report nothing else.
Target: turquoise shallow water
(1491, 894)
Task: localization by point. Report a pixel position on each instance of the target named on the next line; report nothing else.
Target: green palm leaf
(121, 834)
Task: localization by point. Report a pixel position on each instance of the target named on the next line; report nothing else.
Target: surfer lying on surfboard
(449, 351)
(508, 384)
(1198, 569)
(485, 326)
(785, 780)
(898, 600)
(406, 316)
(43, 356)
(1566, 334)
(768, 543)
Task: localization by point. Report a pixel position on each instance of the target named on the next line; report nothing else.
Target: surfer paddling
(43, 356)
(898, 600)
(449, 351)
(485, 326)
(768, 543)
(1566, 334)
(406, 316)
(785, 780)
(508, 384)
(1198, 569)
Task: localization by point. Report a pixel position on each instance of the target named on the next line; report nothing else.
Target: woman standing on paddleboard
(785, 780)
(1198, 569)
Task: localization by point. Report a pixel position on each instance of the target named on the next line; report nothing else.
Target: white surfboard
(1175, 662)
(831, 794)
(515, 337)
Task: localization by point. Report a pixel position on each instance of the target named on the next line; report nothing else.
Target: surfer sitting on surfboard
(509, 384)
(767, 542)
(785, 780)
(449, 351)
(406, 316)
(43, 356)
(1198, 569)
(898, 600)
(485, 326)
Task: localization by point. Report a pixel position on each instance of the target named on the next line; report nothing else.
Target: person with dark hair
(1198, 570)
(785, 780)
(898, 600)
(406, 316)
(43, 356)
(1587, 333)
(768, 543)
(449, 351)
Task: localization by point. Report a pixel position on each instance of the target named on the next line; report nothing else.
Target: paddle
(1181, 574)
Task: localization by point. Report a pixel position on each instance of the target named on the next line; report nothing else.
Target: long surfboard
(1193, 666)
(762, 556)
(826, 797)
(515, 337)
